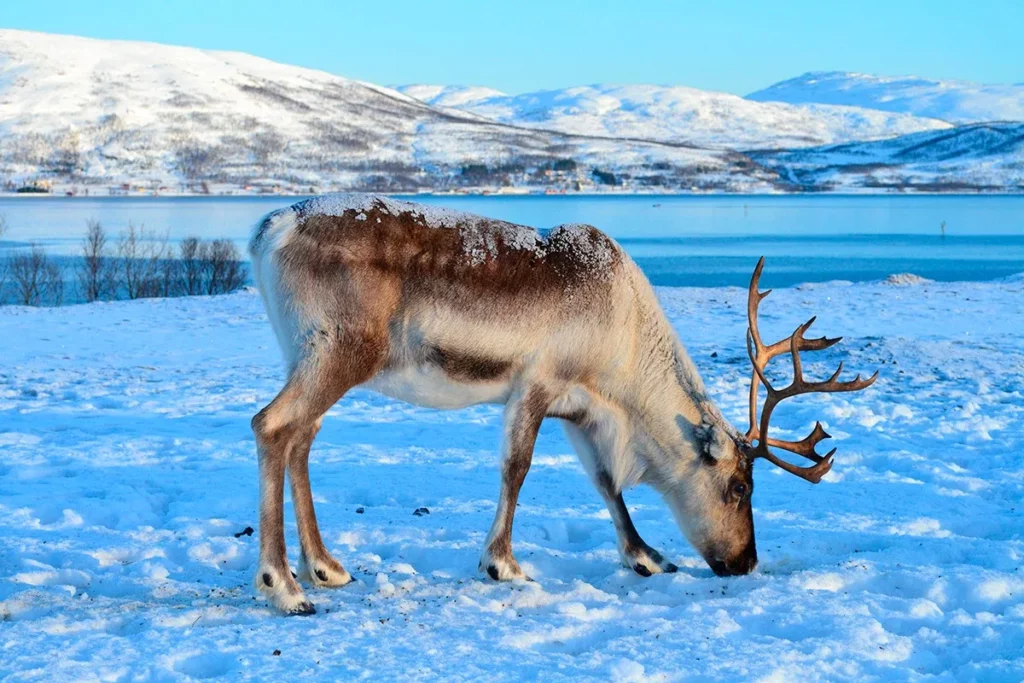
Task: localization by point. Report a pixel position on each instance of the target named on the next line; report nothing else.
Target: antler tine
(812, 474)
(760, 355)
(805, 446)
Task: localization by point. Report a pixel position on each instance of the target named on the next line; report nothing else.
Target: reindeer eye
(739, 489)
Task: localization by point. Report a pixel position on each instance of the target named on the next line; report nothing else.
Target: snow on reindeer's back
(483, 239)
(481, 236)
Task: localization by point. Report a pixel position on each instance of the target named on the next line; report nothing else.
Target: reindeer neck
(674, 412)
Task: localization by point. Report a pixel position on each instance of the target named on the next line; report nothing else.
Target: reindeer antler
(760, 354)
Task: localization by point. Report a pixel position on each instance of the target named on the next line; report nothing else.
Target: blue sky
(731, 46)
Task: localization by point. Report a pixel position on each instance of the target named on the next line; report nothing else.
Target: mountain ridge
(79, 112)
(674, 113)
(950, 100)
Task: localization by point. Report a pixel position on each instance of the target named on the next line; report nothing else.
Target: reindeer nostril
(719, 568)
(744, 564)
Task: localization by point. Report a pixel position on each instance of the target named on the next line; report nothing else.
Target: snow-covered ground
(127, 469)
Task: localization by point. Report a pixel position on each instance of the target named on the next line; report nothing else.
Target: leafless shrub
(95, 271)
(194, 159)
(5, 269)
(52, 282)
(31, 149)
(190, 259)
(223, 268)
(266, 146)
(66, 159)
(27, 272)
(4, 262)
(169, 274)
(139, 254)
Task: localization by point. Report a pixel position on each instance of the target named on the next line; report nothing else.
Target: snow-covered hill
(675, 114)
(954, 101)
(79, 113)
(973, 156)
(86, 110)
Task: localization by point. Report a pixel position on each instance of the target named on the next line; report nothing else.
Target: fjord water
(701, 240)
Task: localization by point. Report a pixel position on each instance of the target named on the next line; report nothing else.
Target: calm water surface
(687, 240)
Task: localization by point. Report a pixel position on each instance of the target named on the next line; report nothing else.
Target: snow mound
(905, 280)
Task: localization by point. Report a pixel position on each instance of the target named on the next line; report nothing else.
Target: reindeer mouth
(744, 566)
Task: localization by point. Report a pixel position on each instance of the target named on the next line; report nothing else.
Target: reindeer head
(714, 509)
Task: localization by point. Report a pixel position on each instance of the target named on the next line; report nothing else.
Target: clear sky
(527, 45)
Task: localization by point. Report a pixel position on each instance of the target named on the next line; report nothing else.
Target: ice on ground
(128, 478)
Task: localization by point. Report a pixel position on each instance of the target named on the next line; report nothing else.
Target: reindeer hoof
(325, 573)
(646, 561)
(502, 569)
(303, 609)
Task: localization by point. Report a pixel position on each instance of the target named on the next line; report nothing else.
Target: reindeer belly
(429, 386)
(441, 358)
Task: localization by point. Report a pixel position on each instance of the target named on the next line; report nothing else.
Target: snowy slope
(125, 478)
(450, 96)
(117, 111)
(677, 114)
(81, 114)
(954, 101)
(973, 155)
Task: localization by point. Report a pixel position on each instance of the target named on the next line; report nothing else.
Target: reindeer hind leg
(317, 567)
(284, 433)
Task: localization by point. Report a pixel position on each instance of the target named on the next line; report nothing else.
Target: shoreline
(900, 282)
(513, 195)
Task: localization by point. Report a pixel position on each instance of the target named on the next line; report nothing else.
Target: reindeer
(446, 309)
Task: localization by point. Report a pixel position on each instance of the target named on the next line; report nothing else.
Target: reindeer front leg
(523, 414)
(633, 550)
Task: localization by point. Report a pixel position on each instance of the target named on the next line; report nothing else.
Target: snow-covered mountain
(675, 114)
(79, 109)
(78, 112)
(954, 101)
(450, 96)
(973, 156)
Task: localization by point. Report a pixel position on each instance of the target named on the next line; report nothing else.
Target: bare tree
(191, 265)
(67, 155)
(4, 263)
(139, 255)
(169, 275)
(95, 274)
(224, 270)
(52, 283)
(194, 159)
(27, 273)
(265, 147)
